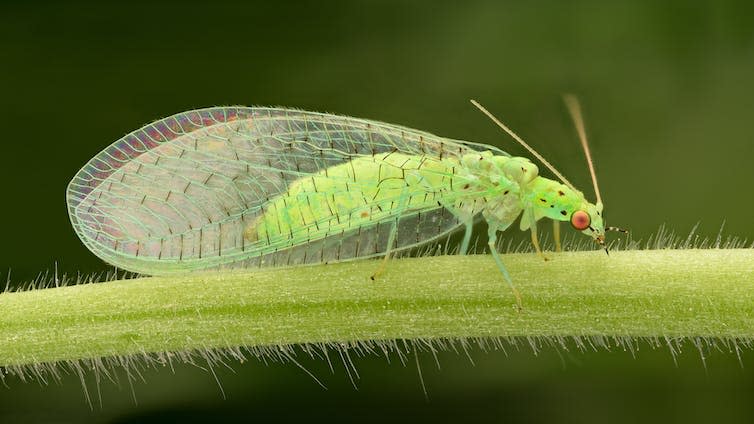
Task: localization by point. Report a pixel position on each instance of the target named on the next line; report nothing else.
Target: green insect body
(252, 187)
(385, 186)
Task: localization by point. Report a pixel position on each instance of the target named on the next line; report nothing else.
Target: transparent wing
(178, 194)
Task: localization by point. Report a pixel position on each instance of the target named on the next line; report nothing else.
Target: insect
(241, 187)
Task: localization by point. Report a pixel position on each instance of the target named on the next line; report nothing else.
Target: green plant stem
(654, 293)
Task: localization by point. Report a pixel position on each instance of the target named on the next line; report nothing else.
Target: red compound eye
(580, 220)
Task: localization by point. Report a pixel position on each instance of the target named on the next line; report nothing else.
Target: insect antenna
(523, 143)
(574, 109)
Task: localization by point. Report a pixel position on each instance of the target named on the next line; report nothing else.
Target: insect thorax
(502, 187)
(496, 185)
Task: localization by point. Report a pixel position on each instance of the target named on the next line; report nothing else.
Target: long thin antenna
(523, 143)
(574, 108)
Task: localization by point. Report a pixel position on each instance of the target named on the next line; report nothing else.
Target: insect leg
(492, 233)
(534, 238)
(556, 235)
(402, 202)
(467, 219)
(466, 238)
(390, 241)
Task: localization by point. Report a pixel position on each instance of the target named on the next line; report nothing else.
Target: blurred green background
(668, 94)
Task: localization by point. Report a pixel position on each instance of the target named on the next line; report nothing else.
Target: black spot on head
(552, 206)
(465, 186)
(564, 213)
(543, 200)
(560, 193)
(506, 192)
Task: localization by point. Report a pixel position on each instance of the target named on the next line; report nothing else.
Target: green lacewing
(242, 187)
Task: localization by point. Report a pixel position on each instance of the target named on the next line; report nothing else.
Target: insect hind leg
(402, 202)
(388, 251)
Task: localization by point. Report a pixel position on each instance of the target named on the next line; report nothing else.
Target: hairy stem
(654, 293)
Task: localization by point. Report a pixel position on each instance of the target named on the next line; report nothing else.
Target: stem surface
(653, 293)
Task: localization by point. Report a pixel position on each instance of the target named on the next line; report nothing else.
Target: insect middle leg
(492, 234)
(466, 237)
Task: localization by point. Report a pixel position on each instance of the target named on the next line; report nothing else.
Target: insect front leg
(534, 238)
(556, 235)
(492, 234)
